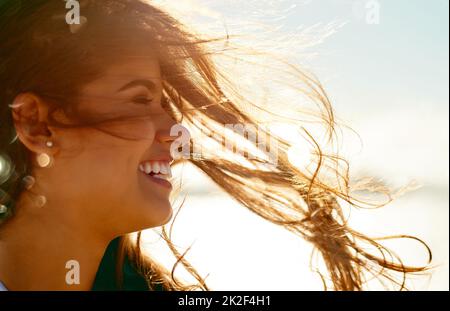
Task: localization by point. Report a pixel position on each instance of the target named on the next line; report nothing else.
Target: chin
(165, 218)
(168, 218)
(155, 216)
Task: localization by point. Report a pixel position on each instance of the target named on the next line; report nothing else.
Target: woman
(87, 145)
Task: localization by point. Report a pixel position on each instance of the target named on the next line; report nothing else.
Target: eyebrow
(151, 86)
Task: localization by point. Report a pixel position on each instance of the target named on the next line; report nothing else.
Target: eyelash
(142, 101)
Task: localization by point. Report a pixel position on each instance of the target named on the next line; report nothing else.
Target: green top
(105, 280)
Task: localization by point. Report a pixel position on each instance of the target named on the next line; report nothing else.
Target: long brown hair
(40, 54)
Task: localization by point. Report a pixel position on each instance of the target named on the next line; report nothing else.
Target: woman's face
(98, 177)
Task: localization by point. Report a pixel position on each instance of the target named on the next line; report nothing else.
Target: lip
(160, 182)
(166, 158)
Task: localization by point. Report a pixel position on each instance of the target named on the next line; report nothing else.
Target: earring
(43, 160)
(28, 182)
(41, 201)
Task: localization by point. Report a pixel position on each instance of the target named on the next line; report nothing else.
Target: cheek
(99, 161)
(131, 129)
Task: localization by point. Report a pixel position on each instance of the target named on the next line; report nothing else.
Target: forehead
(124, 71)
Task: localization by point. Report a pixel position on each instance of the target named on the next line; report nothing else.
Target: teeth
(148, 168)
(164, 168)
(157, 167)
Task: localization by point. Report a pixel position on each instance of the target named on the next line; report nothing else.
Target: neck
(39, 251)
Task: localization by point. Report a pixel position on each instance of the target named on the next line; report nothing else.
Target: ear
(30, 115)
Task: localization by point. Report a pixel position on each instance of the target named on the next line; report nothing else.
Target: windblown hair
(40, 54)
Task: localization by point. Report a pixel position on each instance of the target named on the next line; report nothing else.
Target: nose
(162, 135)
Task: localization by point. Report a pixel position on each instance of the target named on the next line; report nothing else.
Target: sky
(389, 81)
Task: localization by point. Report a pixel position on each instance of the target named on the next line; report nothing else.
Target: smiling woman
(85, 123)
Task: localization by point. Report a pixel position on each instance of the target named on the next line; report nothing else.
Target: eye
(142, 100)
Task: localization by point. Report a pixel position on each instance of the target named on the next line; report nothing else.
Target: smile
(157, 171)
